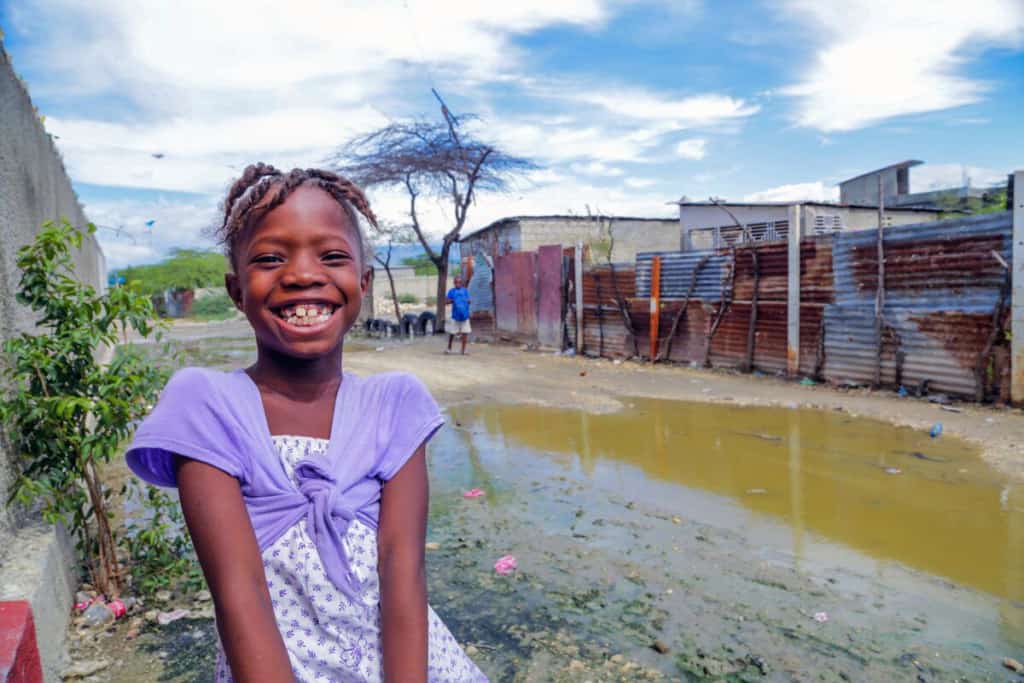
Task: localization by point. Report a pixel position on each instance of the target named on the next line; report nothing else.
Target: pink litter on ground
(821, 617)
(505, 565)
(118, 608)
(473, 493)
(82, 606)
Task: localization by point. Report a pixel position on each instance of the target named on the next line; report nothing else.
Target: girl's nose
(303, 272)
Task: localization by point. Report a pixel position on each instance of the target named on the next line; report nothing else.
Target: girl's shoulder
(389, 392)
(399, 413)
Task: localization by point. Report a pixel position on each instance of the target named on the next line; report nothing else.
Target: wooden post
(880, 289)
(793, 291)
(1017, 302)
(655, 307)
(578, 268)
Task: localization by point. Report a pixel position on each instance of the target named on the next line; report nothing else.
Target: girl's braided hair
(243, 208)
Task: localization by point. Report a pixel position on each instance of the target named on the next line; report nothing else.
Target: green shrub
(66, 414)
(185, 269)
(408, 298)
(213, 307)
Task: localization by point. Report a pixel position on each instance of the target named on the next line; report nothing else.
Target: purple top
(218, 418)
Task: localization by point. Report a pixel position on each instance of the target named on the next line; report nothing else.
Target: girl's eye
(335, 256)
(267, 258)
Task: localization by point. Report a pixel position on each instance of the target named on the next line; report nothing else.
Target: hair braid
(245, 204)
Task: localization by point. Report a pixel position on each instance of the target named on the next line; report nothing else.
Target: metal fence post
(655, 305)
(1017, 300)
(579, 297)
(793, 291)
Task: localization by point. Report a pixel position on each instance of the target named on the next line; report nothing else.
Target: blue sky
(625, 105)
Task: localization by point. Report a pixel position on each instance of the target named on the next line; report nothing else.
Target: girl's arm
(403, 583)
(226, 545)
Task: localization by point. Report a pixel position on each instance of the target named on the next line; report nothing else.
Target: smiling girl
(304, 487)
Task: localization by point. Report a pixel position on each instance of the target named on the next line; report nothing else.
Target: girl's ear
(234, 289)
(364, 282)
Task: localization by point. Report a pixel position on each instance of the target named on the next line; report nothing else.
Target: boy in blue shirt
(458, 321)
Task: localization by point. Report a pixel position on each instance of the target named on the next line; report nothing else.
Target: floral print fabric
(330, 637)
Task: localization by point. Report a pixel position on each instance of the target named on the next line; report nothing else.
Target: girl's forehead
(308, 209)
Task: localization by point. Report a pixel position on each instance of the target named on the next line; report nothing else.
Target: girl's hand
(226, 545)
(403, 583)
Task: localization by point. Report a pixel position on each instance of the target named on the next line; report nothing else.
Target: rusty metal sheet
(482, 323)
(549, 295)
(515, 293)
(942, 286)
(936, 266)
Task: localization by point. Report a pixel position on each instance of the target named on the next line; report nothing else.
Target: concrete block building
(624, 236)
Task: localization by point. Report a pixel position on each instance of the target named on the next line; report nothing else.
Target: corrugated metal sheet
(481, 293)
(941, 285)
(482, 323)
(945, 265)
(677, 271)
(549, 296)
(604, 332)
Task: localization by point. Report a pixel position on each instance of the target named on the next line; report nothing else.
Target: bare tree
(383, 243)
(439, 160)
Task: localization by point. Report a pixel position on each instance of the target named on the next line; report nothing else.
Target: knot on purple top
(327, 522)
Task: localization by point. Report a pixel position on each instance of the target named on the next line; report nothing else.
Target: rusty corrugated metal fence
(943, 284)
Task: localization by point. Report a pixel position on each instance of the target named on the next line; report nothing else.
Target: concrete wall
(34, 188)
(632, 235)
(709, 216)
(864, 190)
(863, 219)
(406, 282)
(702, 217)
(499, 240)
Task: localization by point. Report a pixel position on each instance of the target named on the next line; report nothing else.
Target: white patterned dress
(330, 637)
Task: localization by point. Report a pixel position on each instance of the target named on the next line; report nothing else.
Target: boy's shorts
(458, 327)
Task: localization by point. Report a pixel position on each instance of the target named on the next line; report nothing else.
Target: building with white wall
(706, 225)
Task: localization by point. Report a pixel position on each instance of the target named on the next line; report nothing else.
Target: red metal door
(515, 293)
(549, 286)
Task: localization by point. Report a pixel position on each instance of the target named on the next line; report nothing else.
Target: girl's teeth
(301, 312)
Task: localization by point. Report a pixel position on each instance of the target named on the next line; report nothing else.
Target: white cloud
(816, 191)
(258, 45)
(597, 168)
(879, 59)
(210, 87)
(694, 148)
(688, 112)
(640, 183)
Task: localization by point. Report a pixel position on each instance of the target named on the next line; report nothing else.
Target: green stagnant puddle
(890, 493)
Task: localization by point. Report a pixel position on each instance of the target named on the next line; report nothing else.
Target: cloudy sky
(625, 105)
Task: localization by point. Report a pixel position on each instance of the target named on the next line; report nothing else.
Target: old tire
(426, 324)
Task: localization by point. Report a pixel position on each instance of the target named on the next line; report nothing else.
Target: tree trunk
(107, 577)
(442, 283)
(394, 295)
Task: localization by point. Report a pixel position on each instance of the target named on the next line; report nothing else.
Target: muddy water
(888, 492)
